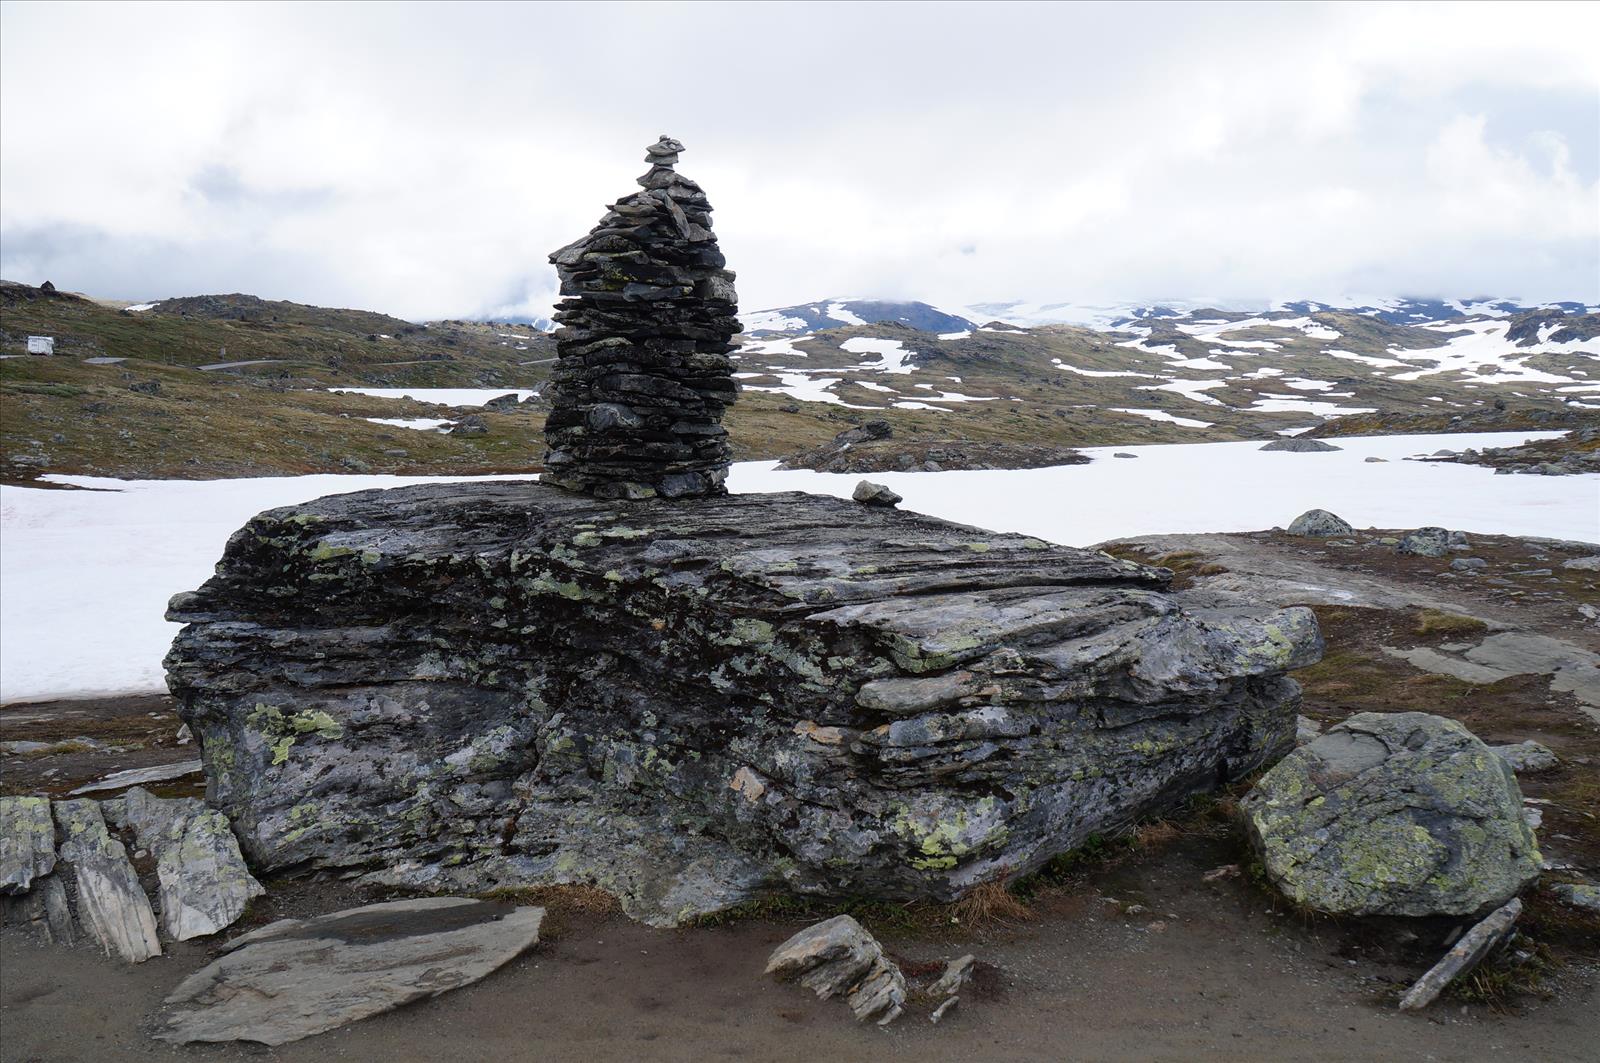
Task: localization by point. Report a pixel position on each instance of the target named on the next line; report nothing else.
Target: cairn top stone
(643, 371)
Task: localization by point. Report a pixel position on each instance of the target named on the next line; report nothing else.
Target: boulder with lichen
(463, 686)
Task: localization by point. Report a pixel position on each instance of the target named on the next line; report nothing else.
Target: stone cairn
(643, 373)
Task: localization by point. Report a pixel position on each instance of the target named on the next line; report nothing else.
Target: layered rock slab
(461, 686)
(299, 977)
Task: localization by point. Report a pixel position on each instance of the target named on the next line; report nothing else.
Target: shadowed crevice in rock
(462, 686)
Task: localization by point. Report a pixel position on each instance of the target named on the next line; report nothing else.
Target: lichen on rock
(1405, 814)
(503, 684)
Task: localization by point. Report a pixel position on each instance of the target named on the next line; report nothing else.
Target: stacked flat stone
(643, 373)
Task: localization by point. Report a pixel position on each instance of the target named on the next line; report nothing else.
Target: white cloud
(425, 159)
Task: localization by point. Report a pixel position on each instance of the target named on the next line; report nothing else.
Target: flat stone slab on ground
(119, 780)
(299, 977)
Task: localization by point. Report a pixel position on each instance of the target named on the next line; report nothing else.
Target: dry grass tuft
(1434, 622)
(1156, 833)
(988, 905)
(572, 899)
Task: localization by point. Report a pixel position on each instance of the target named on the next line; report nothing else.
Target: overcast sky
(424, 160)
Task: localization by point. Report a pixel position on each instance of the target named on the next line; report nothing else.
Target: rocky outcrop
(643, 372)
(204, 883)
(458, 686)
(838, 957)
(111, 904)
(1403, 814)
(1299, 445)
(299, 977)
(27, 843)
(202, 880)
(859, 451)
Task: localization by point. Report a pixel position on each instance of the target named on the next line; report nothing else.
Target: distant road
(237, 365)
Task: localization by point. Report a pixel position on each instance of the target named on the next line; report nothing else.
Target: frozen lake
(86, 575)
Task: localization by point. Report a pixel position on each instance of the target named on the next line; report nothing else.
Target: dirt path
(1133, 955)
(1197, 971)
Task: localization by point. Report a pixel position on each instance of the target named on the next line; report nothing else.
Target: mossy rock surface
(1403, 814)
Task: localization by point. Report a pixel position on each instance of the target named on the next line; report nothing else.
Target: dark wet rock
(864, 433)
(1393, 814)
(299, 977)
(1474, 946)
(1319, 524)
(1299, 445)
(871, 494)
(461, 686)
(508, 401)
(42, 911)
(111, 904)
(204, 883)
(1527, 758)
(470, 425)
(146, 387)
(838, 957)
(643, 371)
(1425, 542)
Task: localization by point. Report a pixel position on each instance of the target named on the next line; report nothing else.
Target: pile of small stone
(643, 373)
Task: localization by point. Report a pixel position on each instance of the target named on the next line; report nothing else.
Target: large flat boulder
(1404, 814)
(459, 686)
(299, 977)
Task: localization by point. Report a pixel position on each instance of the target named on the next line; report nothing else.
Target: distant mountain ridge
(845, 312)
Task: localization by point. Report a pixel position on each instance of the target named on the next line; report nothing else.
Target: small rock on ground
(1319, 524)
(1299, 445)
(1527, 757)
(1578, 895)
(871, 494)
(838, 956)
(119, 780)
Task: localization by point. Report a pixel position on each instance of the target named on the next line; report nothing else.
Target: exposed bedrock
(462, 686)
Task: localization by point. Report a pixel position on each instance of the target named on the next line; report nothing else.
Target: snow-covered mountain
(845, 312)
(842, 313)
